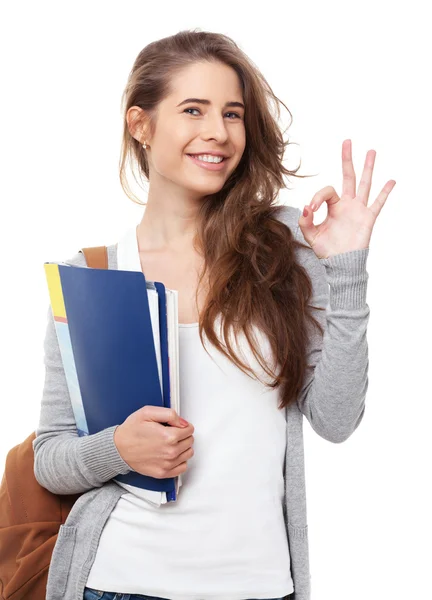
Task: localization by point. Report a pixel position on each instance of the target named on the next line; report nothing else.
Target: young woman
(273, 319)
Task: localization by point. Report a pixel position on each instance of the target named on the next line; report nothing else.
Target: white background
(345, 70)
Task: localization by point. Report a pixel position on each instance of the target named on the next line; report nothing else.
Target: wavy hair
(250, 263)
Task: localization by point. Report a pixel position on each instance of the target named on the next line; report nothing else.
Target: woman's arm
(334, 391)
(333, 394)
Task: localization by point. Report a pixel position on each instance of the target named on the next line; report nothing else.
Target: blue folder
(111, 335)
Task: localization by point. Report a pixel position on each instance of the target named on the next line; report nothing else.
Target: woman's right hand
(149, 447)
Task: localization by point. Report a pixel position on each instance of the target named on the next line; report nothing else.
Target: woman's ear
(135, 120)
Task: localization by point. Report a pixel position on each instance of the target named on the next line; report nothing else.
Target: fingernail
(313, 206)
(305, 212)
(183, 422)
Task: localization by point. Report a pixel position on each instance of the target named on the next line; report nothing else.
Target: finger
(366, 180)
(309, 230)
(382, 197)
(349, 176)
(327, 194)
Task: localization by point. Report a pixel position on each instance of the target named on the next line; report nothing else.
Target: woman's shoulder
(289, 215)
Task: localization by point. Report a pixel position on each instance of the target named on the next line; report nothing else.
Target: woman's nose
(215, 128)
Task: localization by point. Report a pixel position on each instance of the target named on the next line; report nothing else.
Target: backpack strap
(96, 257)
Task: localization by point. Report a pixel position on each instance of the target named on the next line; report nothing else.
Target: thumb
(162, 414)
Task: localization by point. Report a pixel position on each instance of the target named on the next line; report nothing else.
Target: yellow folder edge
(52, 274)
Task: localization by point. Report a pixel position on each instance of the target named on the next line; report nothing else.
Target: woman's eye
(229, 113)
(191, 109)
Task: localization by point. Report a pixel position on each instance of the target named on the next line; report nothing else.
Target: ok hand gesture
(349, 222)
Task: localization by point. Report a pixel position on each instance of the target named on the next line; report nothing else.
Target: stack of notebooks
(118, 338)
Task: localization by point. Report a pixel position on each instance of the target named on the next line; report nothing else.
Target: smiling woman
(183, 129)
(223, 181)
(200, 124)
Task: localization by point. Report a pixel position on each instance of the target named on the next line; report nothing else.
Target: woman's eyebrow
(201, 101)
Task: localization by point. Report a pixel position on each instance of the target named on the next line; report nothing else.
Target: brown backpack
(30, 515)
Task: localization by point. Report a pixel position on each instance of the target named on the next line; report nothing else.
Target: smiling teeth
(208, 158)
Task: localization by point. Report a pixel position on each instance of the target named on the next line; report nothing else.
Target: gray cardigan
(332, 400)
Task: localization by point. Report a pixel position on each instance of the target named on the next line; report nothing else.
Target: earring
(145, 146)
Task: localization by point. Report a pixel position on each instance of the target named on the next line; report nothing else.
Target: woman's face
(192, 127)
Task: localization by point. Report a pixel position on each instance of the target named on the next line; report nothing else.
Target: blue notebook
(103, 323)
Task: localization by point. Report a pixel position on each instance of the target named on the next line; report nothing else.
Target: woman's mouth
(210, 166)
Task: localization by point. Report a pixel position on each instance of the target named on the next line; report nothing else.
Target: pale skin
(349, 221)
(176, 185)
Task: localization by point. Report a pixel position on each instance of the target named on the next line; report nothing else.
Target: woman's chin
(206, 188)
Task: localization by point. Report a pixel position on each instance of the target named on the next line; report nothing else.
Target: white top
(225, 536)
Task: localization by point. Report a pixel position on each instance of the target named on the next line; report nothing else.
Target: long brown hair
(254, 277)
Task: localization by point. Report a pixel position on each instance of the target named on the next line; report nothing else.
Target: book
(118, 338)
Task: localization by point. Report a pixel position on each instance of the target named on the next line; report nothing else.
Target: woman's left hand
(349, 221)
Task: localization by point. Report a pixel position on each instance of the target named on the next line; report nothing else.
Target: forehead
(216, 82)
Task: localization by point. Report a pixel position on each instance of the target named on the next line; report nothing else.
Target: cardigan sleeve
(333, 394)
(65, 463)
